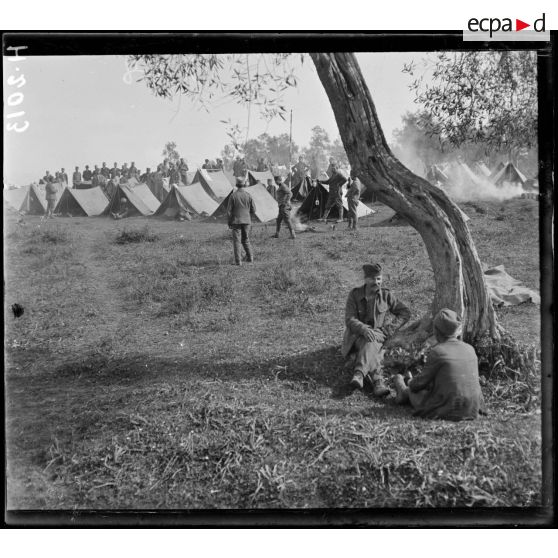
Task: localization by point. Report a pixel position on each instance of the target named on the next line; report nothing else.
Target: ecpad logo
(494, 28)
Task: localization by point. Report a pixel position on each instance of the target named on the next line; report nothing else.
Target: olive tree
(259, 81)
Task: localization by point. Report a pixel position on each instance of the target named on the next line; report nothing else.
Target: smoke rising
(461, 182)
(480, 189)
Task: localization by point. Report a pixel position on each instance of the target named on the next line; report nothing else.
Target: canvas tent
(16, 197)
(497, 169)
(192, 200)
(81, 203)
(35, 202)
(313, 207)
(509, 173)
(266, 206)
(140, 198)
(189, 175)
(460, 174)
(262, 177)
(302, 189)
(215, 183)
(481, 169)
(229, 175)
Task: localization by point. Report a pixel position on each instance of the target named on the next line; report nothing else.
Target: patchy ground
(148, 372)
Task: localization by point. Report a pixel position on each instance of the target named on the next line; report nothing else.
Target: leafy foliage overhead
(251, 79)
(480, 97)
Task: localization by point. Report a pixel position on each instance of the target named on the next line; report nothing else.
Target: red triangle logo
(519, 25)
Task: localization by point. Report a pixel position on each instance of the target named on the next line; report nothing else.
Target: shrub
(144, 234)
(199, 293)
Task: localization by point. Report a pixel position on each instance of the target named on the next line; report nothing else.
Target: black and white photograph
(242, 273)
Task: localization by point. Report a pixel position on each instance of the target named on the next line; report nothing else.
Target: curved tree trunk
(457, 269)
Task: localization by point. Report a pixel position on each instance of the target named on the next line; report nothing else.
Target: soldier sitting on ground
(448, 387)
(366, 332)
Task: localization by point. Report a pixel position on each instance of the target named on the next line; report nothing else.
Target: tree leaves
(253, 79)
(488, 97)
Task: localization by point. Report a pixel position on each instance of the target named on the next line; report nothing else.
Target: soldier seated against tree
(366, 330)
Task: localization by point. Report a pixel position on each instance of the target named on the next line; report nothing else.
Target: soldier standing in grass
(335, 196)
(51, 191)
(448, 387)
(239, 208)
(353, 199)
(284, 196)
(366, 333)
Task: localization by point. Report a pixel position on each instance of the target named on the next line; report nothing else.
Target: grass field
(149, 372)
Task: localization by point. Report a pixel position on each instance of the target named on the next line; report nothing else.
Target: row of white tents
(476, 174)
(206, 196)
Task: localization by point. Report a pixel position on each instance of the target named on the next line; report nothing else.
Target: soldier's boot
(292, 231)
(277, 229)
(249, 255)
(357, 381)
(401, 390)
(379, 388)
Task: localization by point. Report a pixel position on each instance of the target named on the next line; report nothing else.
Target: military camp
(307, 302)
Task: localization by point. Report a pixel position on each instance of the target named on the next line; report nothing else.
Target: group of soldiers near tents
(176, 172)
(447, 388)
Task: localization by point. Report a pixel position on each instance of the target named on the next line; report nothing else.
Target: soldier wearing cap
(284, 196)
(448, 387)
(239, 208)
(366, 330)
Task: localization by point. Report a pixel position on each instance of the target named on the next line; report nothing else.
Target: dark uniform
(239, 208)
(87, 174)
(335, 197)
(368, 311)
(284, 196)
(114, 171)
(105, 171)
(448, 387)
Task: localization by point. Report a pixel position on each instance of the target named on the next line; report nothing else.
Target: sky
(89, 109)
